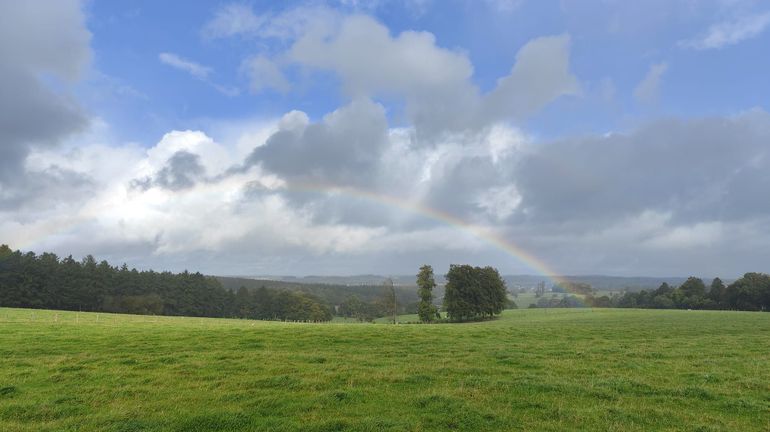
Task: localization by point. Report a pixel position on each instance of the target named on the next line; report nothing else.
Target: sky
(372, 137)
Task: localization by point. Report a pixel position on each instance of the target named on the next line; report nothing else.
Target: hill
(598, 282)
(629, 370)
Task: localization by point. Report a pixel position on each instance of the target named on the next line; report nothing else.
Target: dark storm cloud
(459, 188)
(43, 189)
(181, 171)
(697, 169)
(36, 38)
(30, 115)
(344, 148)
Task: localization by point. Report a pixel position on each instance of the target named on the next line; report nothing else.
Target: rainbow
(416, 207)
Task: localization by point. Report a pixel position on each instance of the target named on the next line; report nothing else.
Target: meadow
(538, 369)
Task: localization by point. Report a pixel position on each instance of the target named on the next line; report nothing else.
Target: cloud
(39, 36)
(433, 80)
(233, 19)
(698, 170)
(367, 187)
(344, 148)
(648, 90)
(36, 39)
(658, 199)
(701, 234)
(196, 70)
(182, 170)
(540, 75)
(238, 19)
(176, 214)
(264, 74)
(730, 32)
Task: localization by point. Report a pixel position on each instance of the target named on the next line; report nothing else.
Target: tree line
(47, 282)
(329, 293)
(749, 293)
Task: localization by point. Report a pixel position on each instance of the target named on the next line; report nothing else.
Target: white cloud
(215, 157)
(730, 32)
(702, 234)
(435, 83)
(237, 19)
(233, 19)
(208, 216)
(500, 202)
(197, 70)
(648, 90)
(370, 60)
(264, 74)
(540, 75)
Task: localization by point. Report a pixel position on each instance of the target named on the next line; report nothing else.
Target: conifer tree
(425, 283)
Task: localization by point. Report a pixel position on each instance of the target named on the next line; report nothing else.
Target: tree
(717, 291)
(664, 290)
(693, 287)
(751, 292)
(425, 283)
(473, 292)
(493, 293)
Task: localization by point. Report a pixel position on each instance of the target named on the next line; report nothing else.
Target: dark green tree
(426, 310)
(693, 287)
(717, 291)
(751, 292)
(473, 292)
(664, 290)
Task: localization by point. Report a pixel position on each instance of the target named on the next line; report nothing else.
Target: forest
(749, 293)
(45, 281)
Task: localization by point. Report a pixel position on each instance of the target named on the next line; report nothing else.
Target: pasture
(552, 370)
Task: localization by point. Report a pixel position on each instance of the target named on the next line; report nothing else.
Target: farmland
(565, 369)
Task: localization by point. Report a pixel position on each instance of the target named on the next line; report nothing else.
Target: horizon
(344, 138)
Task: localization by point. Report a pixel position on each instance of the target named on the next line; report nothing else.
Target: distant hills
(331, 290)
(363, 283)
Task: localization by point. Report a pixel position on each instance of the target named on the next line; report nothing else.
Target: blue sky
(612, 49)
(262, 137)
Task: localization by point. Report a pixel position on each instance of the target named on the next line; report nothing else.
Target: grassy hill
(567, 369)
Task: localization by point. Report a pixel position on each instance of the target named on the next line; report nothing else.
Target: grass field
(556, 370)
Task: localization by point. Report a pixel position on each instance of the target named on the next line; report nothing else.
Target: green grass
(555, 370)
